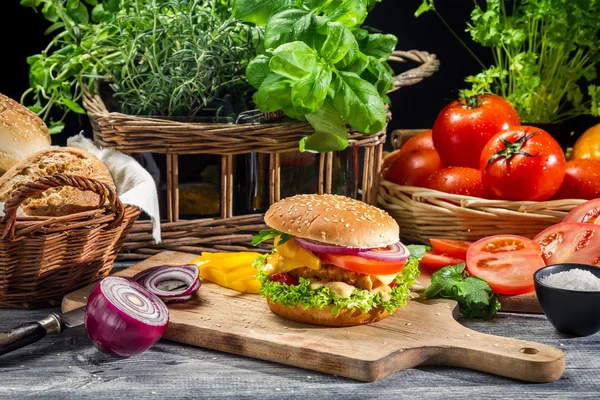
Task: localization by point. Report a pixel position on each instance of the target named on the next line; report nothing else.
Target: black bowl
(572, 312)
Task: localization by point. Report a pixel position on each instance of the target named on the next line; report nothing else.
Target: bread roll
(57, 201)
(22, 133)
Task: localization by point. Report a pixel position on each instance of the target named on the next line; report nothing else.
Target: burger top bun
(22, 133)
(334, 220)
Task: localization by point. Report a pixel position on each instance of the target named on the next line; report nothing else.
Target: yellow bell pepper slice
(231, 270)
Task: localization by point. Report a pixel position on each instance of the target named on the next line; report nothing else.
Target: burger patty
(331, 273)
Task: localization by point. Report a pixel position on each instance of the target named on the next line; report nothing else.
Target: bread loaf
(22, 133)
(56, 201)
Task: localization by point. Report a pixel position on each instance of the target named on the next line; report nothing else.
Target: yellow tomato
(231, 270)
(588, 145)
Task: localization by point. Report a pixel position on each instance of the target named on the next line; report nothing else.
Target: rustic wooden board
(522, 303)
(425, 333)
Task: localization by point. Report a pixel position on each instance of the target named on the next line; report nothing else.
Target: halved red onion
(395, 252)
(319, 247)
(123, 318)
(152, 277)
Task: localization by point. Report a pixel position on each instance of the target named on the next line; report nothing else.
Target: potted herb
(544, 53)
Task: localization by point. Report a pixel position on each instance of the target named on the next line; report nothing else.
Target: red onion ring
(394, 253)
(123, 318)
(152, 277)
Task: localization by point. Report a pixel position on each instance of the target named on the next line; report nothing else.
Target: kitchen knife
(26, 334)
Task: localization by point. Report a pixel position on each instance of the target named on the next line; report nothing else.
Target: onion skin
(113, 331)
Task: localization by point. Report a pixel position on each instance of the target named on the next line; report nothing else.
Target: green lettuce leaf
(364, 300)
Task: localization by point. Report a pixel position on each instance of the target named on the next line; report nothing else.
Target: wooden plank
(522, 303)
(425, 333)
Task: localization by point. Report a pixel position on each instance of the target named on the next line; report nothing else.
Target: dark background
(417, 106)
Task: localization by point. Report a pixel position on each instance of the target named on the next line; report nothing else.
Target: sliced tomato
(363, 265)
(570, 242)
(506, 262)
(588, 212)
(433, 260)
(451, 248)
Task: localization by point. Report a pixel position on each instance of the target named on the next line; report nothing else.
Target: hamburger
(336, 261)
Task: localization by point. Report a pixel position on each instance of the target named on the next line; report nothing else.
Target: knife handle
(26, 334)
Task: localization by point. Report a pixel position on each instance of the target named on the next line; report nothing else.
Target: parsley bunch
(543, 50)
(473, 294)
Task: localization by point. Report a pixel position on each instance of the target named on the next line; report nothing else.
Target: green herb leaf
(293, 60)
(380, 76)
(258, 11)
(99, 14)
(339, 42)
(289, 26)
(417, 251)
(378, 46)
(56, 127)
(473, 294)
(112, 6)
(268, 234)
(258, 70)
(330, 134)
(426, 5)
(73, 106)
(274, 93)
(359, 103)
(308, 94)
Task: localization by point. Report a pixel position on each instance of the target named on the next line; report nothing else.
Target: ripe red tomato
(457, 180)
(433, 260)
(451, 248)
(506, 262)
(413, 169)
(582, 180)
(421, 141)
(283, 277)
(588, 213)
(524, 163)
(463, 128)
(570, 242)
(362, 265)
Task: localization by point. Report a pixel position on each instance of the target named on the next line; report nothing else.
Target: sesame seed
(326, 219)
(352, 230)
(347, 226)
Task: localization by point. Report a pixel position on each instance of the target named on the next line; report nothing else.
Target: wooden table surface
(69, 367)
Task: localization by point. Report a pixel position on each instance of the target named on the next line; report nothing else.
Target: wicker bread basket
(424, 213)
(44, 258)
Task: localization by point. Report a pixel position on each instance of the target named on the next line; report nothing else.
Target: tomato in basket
(506, 262)
(570, 242)
(582, 180)
(457, 180)
(463, 128)
(523, 164)
(413, 168)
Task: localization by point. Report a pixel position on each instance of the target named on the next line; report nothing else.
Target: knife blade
(31, 332)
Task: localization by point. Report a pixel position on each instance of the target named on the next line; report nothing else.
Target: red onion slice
(319, 247)
(123, 318)
(151, 278)
(393, 253)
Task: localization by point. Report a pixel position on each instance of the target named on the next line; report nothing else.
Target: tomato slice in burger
(570, 242)
(588, 212)
(436, 261)
(451, 248)
(506, 262)
(364, 265)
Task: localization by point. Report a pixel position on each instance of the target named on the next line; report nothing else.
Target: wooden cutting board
(522, 303)
(425, 333)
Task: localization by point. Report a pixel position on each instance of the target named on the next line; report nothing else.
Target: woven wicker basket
(424, 213)
(44, 258)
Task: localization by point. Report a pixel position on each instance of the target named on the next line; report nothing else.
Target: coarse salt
(573, 279)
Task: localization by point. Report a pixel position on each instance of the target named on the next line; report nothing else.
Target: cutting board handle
(513, 358)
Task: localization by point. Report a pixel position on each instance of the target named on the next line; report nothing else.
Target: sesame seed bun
(324, 316)
(333, 219)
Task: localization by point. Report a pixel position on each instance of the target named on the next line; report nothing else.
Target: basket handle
(429, 65)
(42, 184)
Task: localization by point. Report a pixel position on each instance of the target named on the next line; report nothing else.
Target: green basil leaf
(308, 94)
(258, 70)
(293, 60)
(349, 12)
(359, 103)
(112, 6)
(377, 74)
(354, 61)
(339, 42)
(56, 127)
(378, 45)
(289, 26)
(330, 134)
(274, 93)
(73, 106)
(99, 14)
(49, 12)
(92, 2)
(72, 4)
(80, 14)
(258, 11)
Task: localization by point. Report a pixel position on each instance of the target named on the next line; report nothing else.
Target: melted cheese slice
(290, 256)
(385, 279)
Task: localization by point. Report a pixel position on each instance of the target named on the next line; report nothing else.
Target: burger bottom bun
(324, 316)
